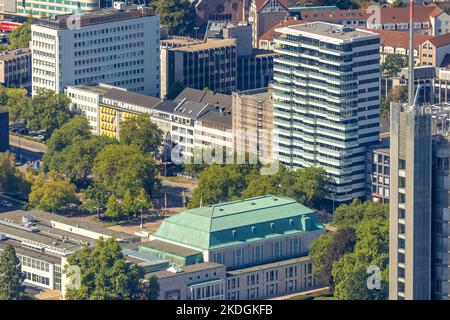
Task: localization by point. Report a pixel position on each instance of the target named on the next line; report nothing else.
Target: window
(238, 257)
(257, 253)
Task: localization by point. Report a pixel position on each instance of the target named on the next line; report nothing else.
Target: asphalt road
(174, 193)
(26, 144)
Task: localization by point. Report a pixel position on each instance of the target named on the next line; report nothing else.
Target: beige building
(264, 14)
(15, 68)
(253, 117)
(435, 51)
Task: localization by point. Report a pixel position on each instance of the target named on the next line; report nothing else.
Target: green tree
(393, 64)
(143, 133)
(129, 205)
(178, 15)
(398, 94)
(12, 182)
(307, 185)
(385, 107)
(113, 209)
(329, 248)
(96, 198)
(105, 274)
(143, 201)
(150, 289)
(354, 213)
(52, 193)
(11, 276)
(49, 111)
(122, 168)
(21, 36)
(371, 251)
(220, 183)
(76, 161)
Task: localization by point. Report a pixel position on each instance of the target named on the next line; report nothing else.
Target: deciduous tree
(11, 276)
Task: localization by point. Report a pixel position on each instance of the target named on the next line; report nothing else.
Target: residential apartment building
(326, 101)
(4, 130)
(410, 244)
(435, 51)
(428, 20)
(252, 112)
(264, 14)
(198, 65)
(48, 8)
(259, 252)
(15, 68)
(117, 46)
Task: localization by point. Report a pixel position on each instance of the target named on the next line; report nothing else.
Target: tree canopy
(11, 276)
(21, 36)
(143, 133)
(121, 168)
(50, 193)
(12, 182)
(178, 15)
(104, 273)
(393, 64)
(354, 213)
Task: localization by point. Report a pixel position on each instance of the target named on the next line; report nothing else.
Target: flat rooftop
(106, 15)
(131, 98)
(186, 269)
(7, 55)
(210, 44)
(266, 266)
(170, 248)
(330, 30)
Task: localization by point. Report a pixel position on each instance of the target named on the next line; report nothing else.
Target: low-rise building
(43, 241)
(15, 68)
(436, 51)
(249, 249)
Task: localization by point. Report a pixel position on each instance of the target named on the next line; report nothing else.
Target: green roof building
(239, 233)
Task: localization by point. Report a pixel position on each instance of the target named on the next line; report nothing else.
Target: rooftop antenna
(411, 55)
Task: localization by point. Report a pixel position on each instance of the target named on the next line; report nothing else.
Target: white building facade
(326, 101)
(117, 46)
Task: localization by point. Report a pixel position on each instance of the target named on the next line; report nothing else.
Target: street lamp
(196, 32)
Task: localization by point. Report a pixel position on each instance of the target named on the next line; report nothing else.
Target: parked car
(6, 203)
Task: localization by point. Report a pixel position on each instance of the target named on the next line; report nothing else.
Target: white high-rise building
(326, 101)
(117, 46)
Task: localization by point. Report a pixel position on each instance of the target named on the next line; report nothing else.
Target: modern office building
(15, 68)
(410, 204)
(249, 249)
(49, 8)
(4, 130)
(252, 112)
(326, 102)
(378, 170)
(198, 65)
(117, 46)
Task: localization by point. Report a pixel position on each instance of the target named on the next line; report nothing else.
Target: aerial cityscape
(225, 150)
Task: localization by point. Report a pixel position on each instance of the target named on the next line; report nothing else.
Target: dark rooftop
(95, 17)
(166, 106)
(217, 118)
(131, 98)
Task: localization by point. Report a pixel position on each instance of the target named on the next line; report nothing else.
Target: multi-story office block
(15, 68)
(326, 101)
(410, 204)
(48, 8)
(194, 64)
(117, 46)
(378, 170)
(4, 130)
(253, 122)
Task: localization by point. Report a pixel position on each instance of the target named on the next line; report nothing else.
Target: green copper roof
(238, 221)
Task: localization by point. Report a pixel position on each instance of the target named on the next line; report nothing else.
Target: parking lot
(21, 128)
